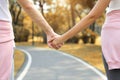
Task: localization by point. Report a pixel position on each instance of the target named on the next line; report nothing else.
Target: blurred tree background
(60, 14)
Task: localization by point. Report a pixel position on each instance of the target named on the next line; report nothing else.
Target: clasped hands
(55, 41)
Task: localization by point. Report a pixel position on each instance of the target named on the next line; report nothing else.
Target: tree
(15, 10)
(73, 3)
(58, 20)
(17, 21)
(79, 7)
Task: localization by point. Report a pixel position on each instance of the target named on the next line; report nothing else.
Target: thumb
(51, 39)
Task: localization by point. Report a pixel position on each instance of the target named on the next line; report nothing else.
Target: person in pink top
(7, 37)
(110, 35)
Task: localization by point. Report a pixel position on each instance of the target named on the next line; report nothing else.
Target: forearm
(97, 10)
(36, 16)
(84, 23)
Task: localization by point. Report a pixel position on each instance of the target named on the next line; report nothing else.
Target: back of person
(6, 42)
(114, 5)
(110, 38)
(4, 11)
(6, 31)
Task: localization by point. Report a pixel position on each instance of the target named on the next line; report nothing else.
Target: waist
(113, 12)
(112, 19)
(5, 28)
(6, 31)
(5, 25)
(4, 22)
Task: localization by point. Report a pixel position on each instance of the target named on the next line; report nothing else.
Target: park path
(55, 65)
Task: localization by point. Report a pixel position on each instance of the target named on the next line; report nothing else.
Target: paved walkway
(54, 65)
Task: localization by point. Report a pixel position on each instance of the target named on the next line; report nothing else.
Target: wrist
(50, 33)
(63, 39)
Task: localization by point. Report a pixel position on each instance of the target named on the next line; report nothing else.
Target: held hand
(57, 42)
(50, 39)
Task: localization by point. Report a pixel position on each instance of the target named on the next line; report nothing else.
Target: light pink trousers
(6, 59)
(6, 50)
(111, 39)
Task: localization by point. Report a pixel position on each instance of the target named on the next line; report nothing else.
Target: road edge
(86, 64)
(23, 71)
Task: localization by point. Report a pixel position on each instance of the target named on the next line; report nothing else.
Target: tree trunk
(42, 11)
(72, 14)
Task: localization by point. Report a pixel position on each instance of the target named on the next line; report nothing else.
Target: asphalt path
(46, 64)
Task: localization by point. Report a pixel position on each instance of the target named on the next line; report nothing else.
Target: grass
(19, 60)
(89, 53)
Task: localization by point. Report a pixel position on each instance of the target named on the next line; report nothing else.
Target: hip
(10, 43)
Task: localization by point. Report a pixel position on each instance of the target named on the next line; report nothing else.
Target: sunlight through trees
(60, 14)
